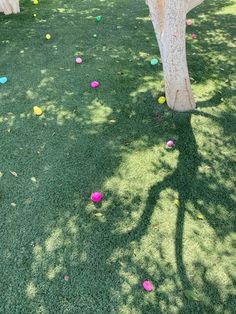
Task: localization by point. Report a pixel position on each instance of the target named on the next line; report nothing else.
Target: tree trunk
(169, 22)
(9, 6)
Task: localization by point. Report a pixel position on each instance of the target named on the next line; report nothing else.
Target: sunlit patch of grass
(229, 9)
(31, 290)
(99, 112)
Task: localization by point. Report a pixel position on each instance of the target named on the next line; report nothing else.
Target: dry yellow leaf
(33, 179)
(13, 173)
(176, 202)
(98, 214)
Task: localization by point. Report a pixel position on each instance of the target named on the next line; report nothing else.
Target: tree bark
(9, 6)
(169, 22)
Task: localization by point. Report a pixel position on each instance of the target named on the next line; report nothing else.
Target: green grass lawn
(112, 140)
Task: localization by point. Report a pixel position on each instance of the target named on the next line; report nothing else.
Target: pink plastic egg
(194, 36)
(78, 60)
(96, 197)
(147, 285)
(94, 84)
(170, 144)
(189, 22)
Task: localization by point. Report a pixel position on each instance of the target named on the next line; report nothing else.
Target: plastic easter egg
(48, 36)
(161, 100)
(200, 216)
(170, 144)
(78, 60)
(95, 35)
(3, 80)
(37, 111)
(34, 15)
(194, 36)
(147, 285)
(94, 84)
(154, 61)
(189, 22)
(96, 197)
(98, 18)
(35, 2)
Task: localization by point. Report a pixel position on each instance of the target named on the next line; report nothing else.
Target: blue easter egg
(154, 62)
(3, 80)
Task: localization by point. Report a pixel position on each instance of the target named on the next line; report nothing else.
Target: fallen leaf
(177, 203)
(98, 214)
(33, 179)
(13, 204)
(191, 295)
(13, 173)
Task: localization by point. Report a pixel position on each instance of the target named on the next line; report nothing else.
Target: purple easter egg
(78, 60)
(94, 84)
(96, 197)
(170, 144)
(147, 285)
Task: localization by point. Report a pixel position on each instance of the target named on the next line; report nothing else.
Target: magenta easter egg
(96, 197)
(194, 36)
(147, 285)
(78, 60)
(94, 84)
(170, 144)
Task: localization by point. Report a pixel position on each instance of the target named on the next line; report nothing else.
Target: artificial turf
(112, 140)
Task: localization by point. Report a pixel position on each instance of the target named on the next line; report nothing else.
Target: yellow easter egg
(35, 2)
(199, 216)
(161, 100)
(48, 36)
(34, 15)
(37, 111)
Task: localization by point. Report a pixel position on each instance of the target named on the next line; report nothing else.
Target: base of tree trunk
(9, 6)
(169, 22)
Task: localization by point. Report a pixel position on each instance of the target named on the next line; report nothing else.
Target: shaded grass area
(113, 140)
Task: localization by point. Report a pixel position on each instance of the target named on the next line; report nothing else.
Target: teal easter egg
(3, 80)
(154, 61)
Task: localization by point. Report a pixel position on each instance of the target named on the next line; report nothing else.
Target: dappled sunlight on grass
(227, 9)
(150, 84)
(55, 240)
(8, 119)
(31, 290)
(205, 90)
(54, 271)
(99, 112)
(45, 81)
(65, 10)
